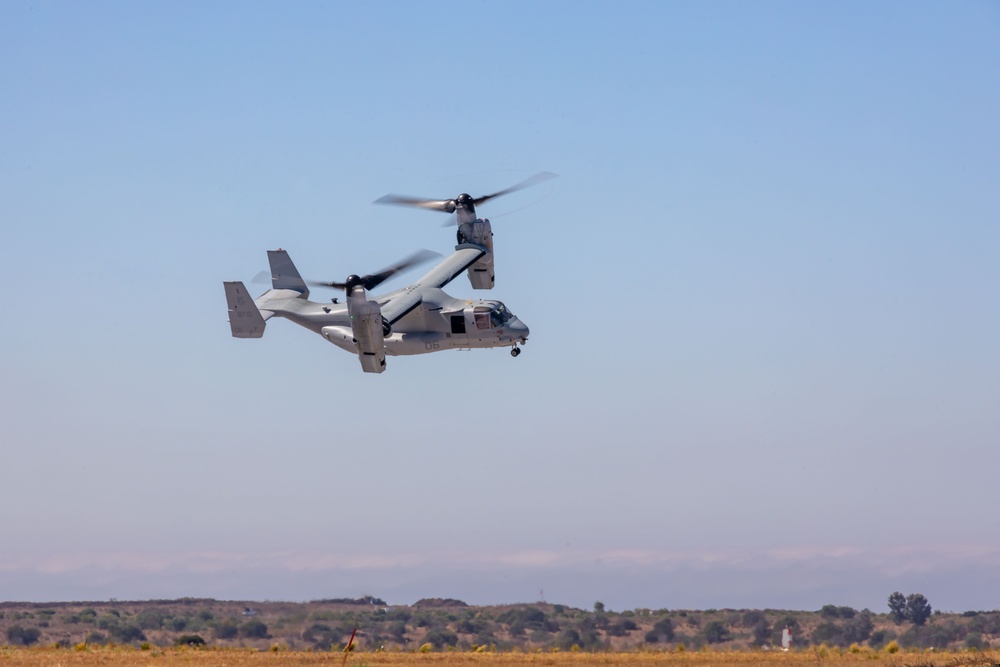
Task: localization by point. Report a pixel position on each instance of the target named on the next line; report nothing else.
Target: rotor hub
(352, 282)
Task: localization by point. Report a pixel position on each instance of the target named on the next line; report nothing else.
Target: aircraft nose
(517, 328)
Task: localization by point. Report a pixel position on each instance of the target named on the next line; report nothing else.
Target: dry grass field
(189, 657)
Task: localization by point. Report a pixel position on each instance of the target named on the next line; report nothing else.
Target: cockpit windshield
(493, 316)
(499, 315)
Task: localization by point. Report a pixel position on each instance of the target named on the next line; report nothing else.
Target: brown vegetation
(186, 657)
(450, 625)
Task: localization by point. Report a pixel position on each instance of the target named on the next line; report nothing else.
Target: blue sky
(763, 368)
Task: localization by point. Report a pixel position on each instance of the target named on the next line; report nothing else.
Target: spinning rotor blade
(373, 280)
(445, 205)
(526, 183)
(463, 201)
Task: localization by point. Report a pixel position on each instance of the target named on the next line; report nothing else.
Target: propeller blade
(463, 201)
(526, 183)
(444, 205)
(333, 285)
(373, 280)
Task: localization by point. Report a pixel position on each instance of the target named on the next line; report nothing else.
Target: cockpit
(492, 315)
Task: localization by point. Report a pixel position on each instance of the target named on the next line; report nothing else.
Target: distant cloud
(794, 578)
(889, 560)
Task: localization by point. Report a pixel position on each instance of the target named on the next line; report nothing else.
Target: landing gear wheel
(516, 351)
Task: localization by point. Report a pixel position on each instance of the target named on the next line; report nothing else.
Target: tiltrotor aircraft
(416, 319)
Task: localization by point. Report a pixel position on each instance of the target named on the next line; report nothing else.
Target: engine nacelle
(479, 233)
(369, 335)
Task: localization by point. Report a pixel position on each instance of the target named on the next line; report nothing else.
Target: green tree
(598, 607)
(715, 632)
(859, 628)
(829, 611)
(151, 619)
(663, 631)
(828, 633)
(95, 638)
(441, 638)
(880, 638)
(126, 633)
(567, 639)
(918, 610)
(18, 635)
(254, 629)
(227, 629)
(897, 607)
(622, 627)
(761, 632)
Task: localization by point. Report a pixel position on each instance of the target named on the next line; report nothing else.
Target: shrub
(254, 629)
(20, 636)
(128, 633)
(663, 631)
(95, 638)
(622, 627)
(190, 640)
(828, 632)
(441, 638)
(878, 638)
(762, 632)
(715, 632)
(892, 647)
(151, 619)
(568, 638)
(226, 630)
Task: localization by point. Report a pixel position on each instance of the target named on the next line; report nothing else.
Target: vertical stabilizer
(284, 275)
(244, 318)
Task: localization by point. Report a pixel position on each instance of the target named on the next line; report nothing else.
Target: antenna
(347, 649)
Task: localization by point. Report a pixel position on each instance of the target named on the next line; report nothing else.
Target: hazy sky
(764, 367)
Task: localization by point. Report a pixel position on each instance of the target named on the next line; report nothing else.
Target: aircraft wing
(401, 302)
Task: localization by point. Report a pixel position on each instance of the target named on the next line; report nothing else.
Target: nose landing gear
(514, 351)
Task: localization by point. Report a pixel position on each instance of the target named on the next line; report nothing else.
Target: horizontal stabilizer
(245, 319)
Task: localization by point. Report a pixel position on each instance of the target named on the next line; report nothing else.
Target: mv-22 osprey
(417, 319)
